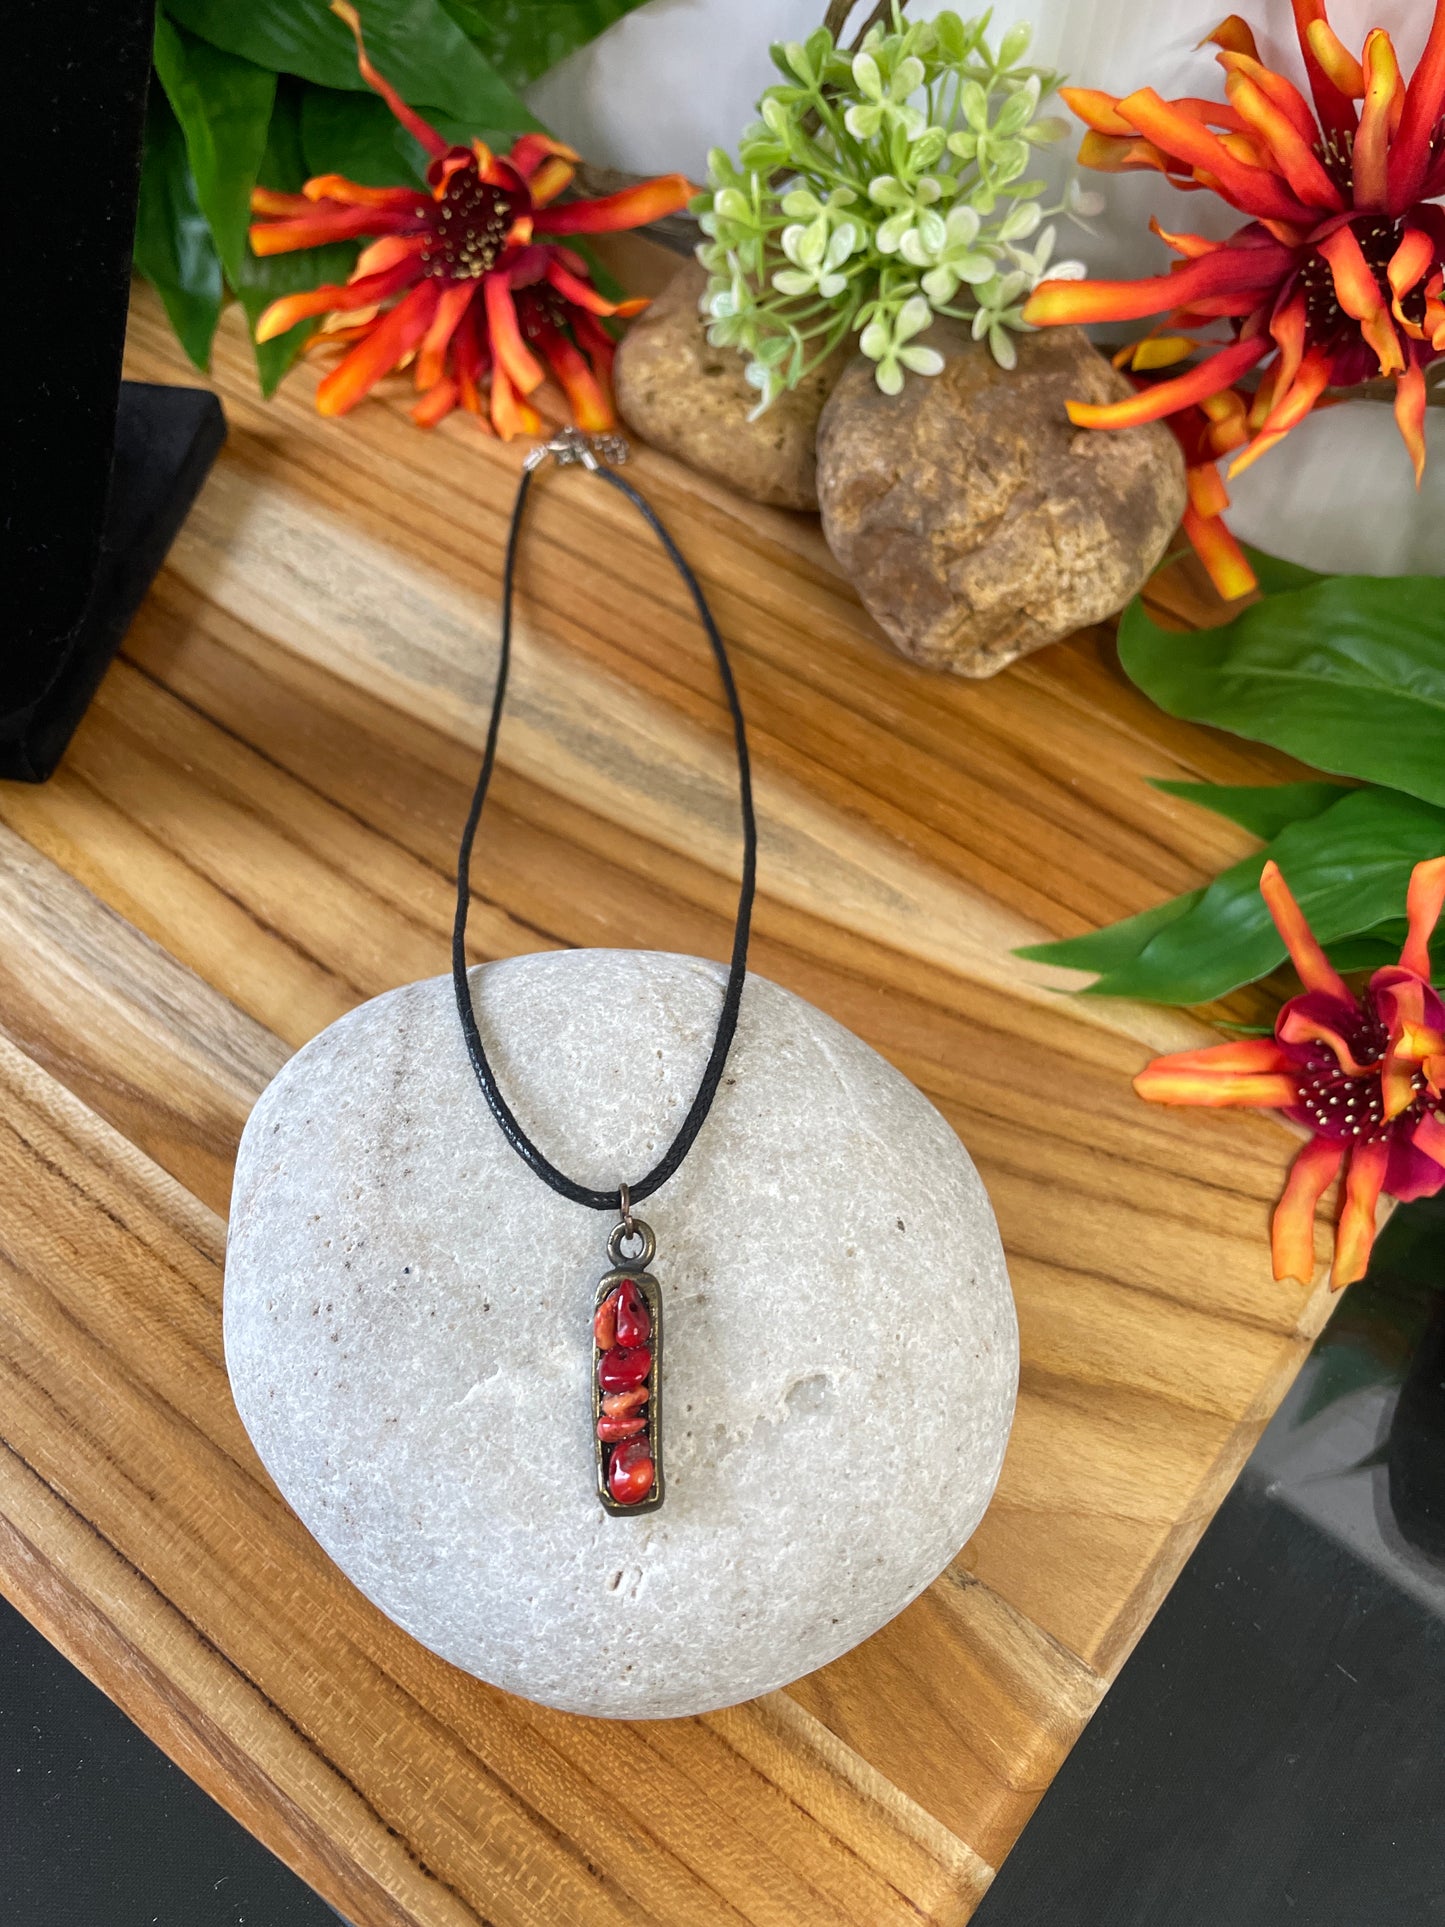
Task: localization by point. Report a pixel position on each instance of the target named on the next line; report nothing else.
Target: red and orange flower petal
(550, 179)
(1235, 36)
(328, 298)
(1191, 246)
(1428, 1136)
(1224, 560)
(1434, 322)
(1410, 400)
(432, 354)
(1298, 1023)
(1282, 93)
(436, 404)
(1249, 188)
(1292, 1230)
(1227, 270)
(1220, 370)
(1290, 150)
(510, 414)
(1288, 410)
(386, 252)
(1155, 352)
(582, 294)
(336, 187)
(1252, 1054)
(1355, 1236)
(1208, 497)
(1289, 329)
(1412, 148)
(1384, 97)
(1358, 293)
(632, 207)
(328, 221)
(419, 129)
(269, 200)
(1424, 901)
(1227, 418)
(591, 409)
(1194, 1080)
(522, 368)
(1332, 103)
(595, 341)
(1314, 968)
(546, 165)
(391, 339)
(1339, 64)
(530, 151)
(1107, 155)
(1098, 110)
(1408, 266)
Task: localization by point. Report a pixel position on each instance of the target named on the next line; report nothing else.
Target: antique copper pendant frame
(631, 1229)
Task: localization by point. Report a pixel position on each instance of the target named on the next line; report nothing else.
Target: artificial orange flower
(1336, 277)
(1364, 1074)
(468, 282)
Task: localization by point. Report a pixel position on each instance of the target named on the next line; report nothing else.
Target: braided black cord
(732, 997)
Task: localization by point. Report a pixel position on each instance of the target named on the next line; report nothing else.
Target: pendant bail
(630, 1231)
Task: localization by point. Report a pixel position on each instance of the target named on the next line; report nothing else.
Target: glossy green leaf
(1348, 868)
(523, 38)
(1371, 949)
(223, 104)
(173, 245)
(260, 280)
(416, 44)
(1347, 674)
(358, 135)
(1262, 809)
(1116, 944)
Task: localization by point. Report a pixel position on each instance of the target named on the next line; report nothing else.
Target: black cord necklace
(627, 1316)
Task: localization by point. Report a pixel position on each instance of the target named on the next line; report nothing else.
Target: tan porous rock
(692, 400)
(974, 520)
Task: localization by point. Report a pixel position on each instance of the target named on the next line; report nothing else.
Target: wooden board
(253, 832)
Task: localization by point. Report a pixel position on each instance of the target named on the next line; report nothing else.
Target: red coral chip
(619, 1426)
(624, 1366)
(631, 1472)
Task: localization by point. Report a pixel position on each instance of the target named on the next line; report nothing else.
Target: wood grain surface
(252, 833)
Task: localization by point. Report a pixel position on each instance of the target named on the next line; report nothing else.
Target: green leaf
(1275, 575)
(1371, 948)
(223, 105)
(523, 38)
(1264, 810)
(1115, 945)
(260, 280)
(1348, 674)
(416, 44)
(173, 245)
(1348, 868)
(358, 135)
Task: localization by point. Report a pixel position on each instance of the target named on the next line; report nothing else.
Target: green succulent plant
(879, 188)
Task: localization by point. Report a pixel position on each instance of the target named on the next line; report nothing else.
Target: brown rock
(976, 522)
(692, 400)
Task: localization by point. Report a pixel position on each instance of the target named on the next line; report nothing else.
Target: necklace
(627, 1305)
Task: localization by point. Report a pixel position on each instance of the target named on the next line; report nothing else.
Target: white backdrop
(678, 76)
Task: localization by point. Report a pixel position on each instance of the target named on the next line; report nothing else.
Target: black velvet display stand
(96, 475)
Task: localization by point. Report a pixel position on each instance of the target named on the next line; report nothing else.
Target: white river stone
(407, 1324)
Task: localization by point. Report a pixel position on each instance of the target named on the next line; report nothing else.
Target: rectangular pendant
(626, 1383)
